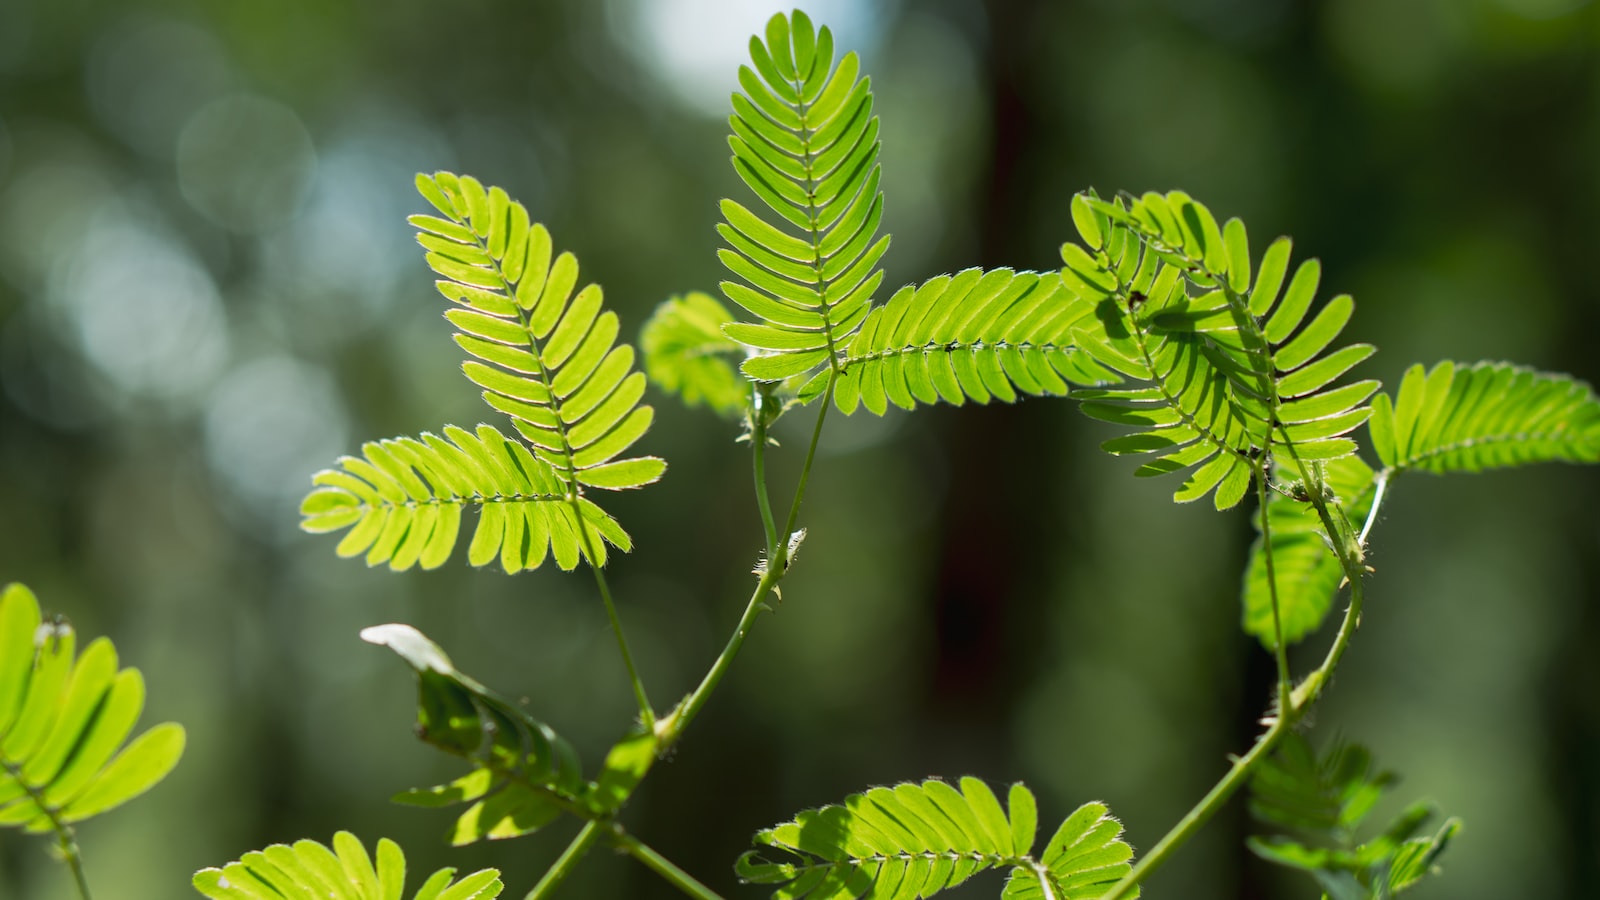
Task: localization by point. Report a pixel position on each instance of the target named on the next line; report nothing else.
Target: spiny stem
(568, 861)
(777, 565)
(662, 866)
(1300, 700)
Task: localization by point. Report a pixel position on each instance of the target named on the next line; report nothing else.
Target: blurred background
(208, 291)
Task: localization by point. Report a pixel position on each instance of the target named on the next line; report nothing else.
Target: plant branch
(662, 866)
(1279, 652)
(647, 713)
(758, 455)
(568, 860)
(777, 565)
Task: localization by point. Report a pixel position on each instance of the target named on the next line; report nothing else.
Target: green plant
(64, 726)
(1160, 321)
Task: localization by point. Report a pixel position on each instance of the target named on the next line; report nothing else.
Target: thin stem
(647, 713)
(1197, 817)
(568, 861)
(777, 566)
(1380, 484)
(662, 866)
(1300, 700)
(811, 453)
(758, 454)
(1279, 652)
(66, 838)
(74, 859)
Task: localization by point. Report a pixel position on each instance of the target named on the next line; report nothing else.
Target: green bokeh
(207, 291)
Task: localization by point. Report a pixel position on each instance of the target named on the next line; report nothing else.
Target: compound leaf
(1460, 418)
(686, 353)
(403, 502)
(65, 723)
(532, 773)
(805, 142)
(308, 870)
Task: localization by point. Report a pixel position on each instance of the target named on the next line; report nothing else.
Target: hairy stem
(568, 861)
(662, 866)
(777, 565)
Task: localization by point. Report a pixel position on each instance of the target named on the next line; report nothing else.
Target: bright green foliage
(1325, 801)
(62, 723)
(1307, 573)
(687, 354)
(402, 502)
(311, 871)
(914, 840)
(1468, 418)
(1232, 373)
(973, 335)
(525, 773)
(806, 142)
(544, 356)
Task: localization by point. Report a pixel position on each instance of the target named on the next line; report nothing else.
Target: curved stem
(662, 866)
(568, 860)
(805, 470)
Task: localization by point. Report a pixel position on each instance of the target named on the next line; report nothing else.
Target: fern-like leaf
(1458, 418)
(1235, 374)
(545, 357)
(1307, 572)
(403, 501)
(806, 142)
(914, 840)
(308, 870)
(64, 723)
(974, 335)
(525, 774)
(1324, 801)
(686, 353)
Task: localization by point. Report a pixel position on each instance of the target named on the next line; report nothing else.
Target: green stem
(1279, 652)
(568, 861)
(647, 713)
(1300, 700)
(662, 866)
(777, 564)
(74, 859)
(758, 453)
(805, 470)
(1197, 817)
(66, 838)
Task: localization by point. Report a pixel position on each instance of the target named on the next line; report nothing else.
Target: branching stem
(777, 564)
(647, 713)
(1279, 652)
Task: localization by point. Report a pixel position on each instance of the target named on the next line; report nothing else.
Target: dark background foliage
(207, 291)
